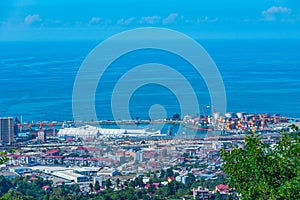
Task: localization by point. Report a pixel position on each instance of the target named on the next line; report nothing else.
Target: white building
(20, 170)
(81, 132)
(71, 176)
(139, 156)
(77, 175)
(107, 172)
(92, 132)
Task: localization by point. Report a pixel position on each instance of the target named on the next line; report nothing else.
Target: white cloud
(30, 19)
(171, 18)
(125, 21)
(276, 12)
(206, 19)
(150, 20)
(94, 20)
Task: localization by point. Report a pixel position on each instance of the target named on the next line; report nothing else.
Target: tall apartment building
(42, 135)
(7, 130)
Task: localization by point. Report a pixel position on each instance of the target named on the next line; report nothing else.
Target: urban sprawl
(87, 153)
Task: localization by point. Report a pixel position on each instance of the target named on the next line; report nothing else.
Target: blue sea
(260, 76)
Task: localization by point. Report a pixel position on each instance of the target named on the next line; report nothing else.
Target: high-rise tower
(7, 130)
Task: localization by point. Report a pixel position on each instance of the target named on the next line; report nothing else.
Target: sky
(98, 19)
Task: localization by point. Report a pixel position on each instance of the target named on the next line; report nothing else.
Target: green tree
(148, 174)
(132, 184)
(57, 193)
(5, 185)
(140, 182)
(261, 171)
(218, 196)
(171, 188)
(139, 194)
(169, 172)
(125, 183)
(56, 162)
(91, 187)
(180, 192)
(15, 195)
(151, 187)
(136, 182)
(3, 157)
(97, 186)
(192, 179)
(108, 183)
(162, 174)
(118, 182)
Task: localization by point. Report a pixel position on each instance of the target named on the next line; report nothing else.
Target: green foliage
(33, 189)
(148, 174)
(118, 182)
(169, 172)
(261, 171)
(97, 186)
(192, 179)
(23, 188)
(139, 182)
(151, 188)
(162, 174)
(91, 187)
(3, 157)
(65, 192)
(132, 184)
(15, 195)
(108, 183)
(5, 185)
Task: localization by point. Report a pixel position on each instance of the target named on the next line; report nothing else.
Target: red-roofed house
(223, 189)
(69, 139)
(156, 185)
(52, 152)
(33, 178)
(46, 187)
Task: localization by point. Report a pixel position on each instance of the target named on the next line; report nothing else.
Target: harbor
(228, 121)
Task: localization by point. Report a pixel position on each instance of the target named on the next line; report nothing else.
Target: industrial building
(76, 175)
(91, 132)
(70, 175)
(84, 132)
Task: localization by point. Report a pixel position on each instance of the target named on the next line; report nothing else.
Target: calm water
(36, 78)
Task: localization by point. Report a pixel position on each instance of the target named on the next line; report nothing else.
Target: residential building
(42, 135)
(201, 193)
(7, 130)
(139, 156)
